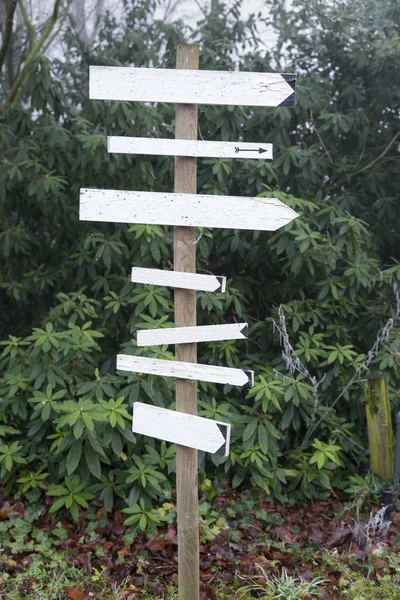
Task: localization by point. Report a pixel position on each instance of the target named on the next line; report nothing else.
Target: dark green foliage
(68, 305)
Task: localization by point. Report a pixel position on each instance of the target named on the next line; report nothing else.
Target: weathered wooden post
(380, 431)
(187, 57)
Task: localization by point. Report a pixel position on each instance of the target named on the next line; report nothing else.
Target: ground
(246, 541)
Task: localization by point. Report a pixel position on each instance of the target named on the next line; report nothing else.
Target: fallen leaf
(339, 537)
(73, 593)
(285, 535)
(5, 510)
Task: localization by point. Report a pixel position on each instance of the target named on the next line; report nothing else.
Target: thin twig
(373, 162)
(383, 335)
(364, 147)
(328, 154)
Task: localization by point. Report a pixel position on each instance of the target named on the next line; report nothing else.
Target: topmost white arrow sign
(184, 86)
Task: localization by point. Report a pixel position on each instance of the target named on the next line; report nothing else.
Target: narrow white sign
(185, 86)
(181, 428)
(185, 370)
(199, 148)
(189, 210)
(190, 335)
(179, 279)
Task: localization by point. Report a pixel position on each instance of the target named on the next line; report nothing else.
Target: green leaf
(74, 456)
(92, 461)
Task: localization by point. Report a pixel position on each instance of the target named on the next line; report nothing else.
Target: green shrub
(321, 289)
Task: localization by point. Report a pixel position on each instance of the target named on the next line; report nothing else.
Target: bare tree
(36, 40)
(86, 18)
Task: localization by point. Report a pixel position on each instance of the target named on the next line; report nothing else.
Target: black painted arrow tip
(290, 79)
(224, 430)
(245, 331)
(261, 150)
(221, 281)
(250, 382)
(289, 101)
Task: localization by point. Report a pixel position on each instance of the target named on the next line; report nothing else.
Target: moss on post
(380, 431)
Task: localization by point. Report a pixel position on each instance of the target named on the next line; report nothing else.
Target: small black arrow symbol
(259, 150)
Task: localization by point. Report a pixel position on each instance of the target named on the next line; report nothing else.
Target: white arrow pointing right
(179, 279)
(185, 370)
(181, 428)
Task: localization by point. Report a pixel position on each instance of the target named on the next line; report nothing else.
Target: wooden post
(187, 57)
(380, 431)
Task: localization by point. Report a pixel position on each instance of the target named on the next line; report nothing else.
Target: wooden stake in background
(380, 431)
(187, 57)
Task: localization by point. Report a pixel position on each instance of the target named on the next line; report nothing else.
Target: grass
(52, 577)
(284, 587)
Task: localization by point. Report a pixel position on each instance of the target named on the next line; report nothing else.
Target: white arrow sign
(184, 86)
(192, 335)
(156, 146)
(185, 370)
(181, 428)
(189, 210)
(179, 279)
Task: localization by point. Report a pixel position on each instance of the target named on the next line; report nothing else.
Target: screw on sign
(186, 87)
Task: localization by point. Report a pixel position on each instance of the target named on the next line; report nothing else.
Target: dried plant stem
(294, 364)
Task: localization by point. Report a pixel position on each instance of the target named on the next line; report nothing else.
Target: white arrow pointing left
(181, 428)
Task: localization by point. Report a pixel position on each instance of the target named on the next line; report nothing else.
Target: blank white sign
(179, 279)
(192, 335)
(181, 428)
(185, 370)
(186, 86)
(190, 210)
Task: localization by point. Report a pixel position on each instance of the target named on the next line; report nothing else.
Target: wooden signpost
(181, 428)
(186, 86)
(157, 146)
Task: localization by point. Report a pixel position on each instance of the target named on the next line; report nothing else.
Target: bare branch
(202, 7)
(377, 159)
(171, 8)
(28, 23)
(80, 18)
(22, 75)
(57, 31)
(12, 5)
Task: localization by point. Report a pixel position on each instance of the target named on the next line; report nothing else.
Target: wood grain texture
(189, 335)
(184, 209)
(185, 175)
(185, 370)
(178, 279)
(181, 428)
(198, 148)
(192, 86)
